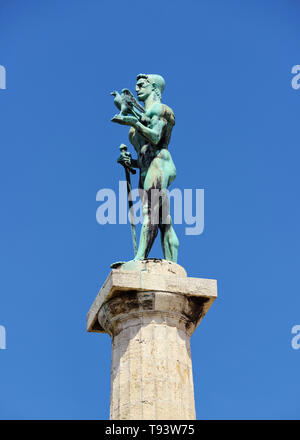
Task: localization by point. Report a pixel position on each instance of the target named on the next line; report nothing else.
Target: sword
(128, 169)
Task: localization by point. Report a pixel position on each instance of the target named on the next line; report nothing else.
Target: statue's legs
(169, 240)
(149, 228)
(156, 211)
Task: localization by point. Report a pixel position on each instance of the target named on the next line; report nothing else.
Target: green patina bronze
(150, 132)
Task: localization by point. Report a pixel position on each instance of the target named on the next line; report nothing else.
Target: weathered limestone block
(150, 309)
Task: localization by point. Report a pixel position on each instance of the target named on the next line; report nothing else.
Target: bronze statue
(150, 134)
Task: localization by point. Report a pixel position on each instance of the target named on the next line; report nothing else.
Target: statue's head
(147, 84)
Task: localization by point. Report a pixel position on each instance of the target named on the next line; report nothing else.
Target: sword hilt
(123, 149)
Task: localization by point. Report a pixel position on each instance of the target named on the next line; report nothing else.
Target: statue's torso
(146, 151)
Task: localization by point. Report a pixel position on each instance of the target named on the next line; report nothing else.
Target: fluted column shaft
(151, 369)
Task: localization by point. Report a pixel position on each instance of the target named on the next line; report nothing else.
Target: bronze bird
(127, 104)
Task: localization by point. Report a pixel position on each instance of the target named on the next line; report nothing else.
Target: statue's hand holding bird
(125, 120)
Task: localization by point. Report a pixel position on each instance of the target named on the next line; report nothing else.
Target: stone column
(151, 309)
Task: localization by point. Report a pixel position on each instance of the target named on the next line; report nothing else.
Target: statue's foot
(128, 265)
(117, 264)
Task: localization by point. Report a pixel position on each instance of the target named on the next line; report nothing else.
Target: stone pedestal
(151, 309)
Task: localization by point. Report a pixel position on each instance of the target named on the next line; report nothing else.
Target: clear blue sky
(227, 67)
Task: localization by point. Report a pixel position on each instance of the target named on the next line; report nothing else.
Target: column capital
(152, 289)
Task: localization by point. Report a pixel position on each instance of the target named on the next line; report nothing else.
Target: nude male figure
(150, 137)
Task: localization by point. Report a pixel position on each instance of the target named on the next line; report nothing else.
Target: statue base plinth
(150, 308)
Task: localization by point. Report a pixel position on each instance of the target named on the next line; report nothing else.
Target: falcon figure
(127, 104)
